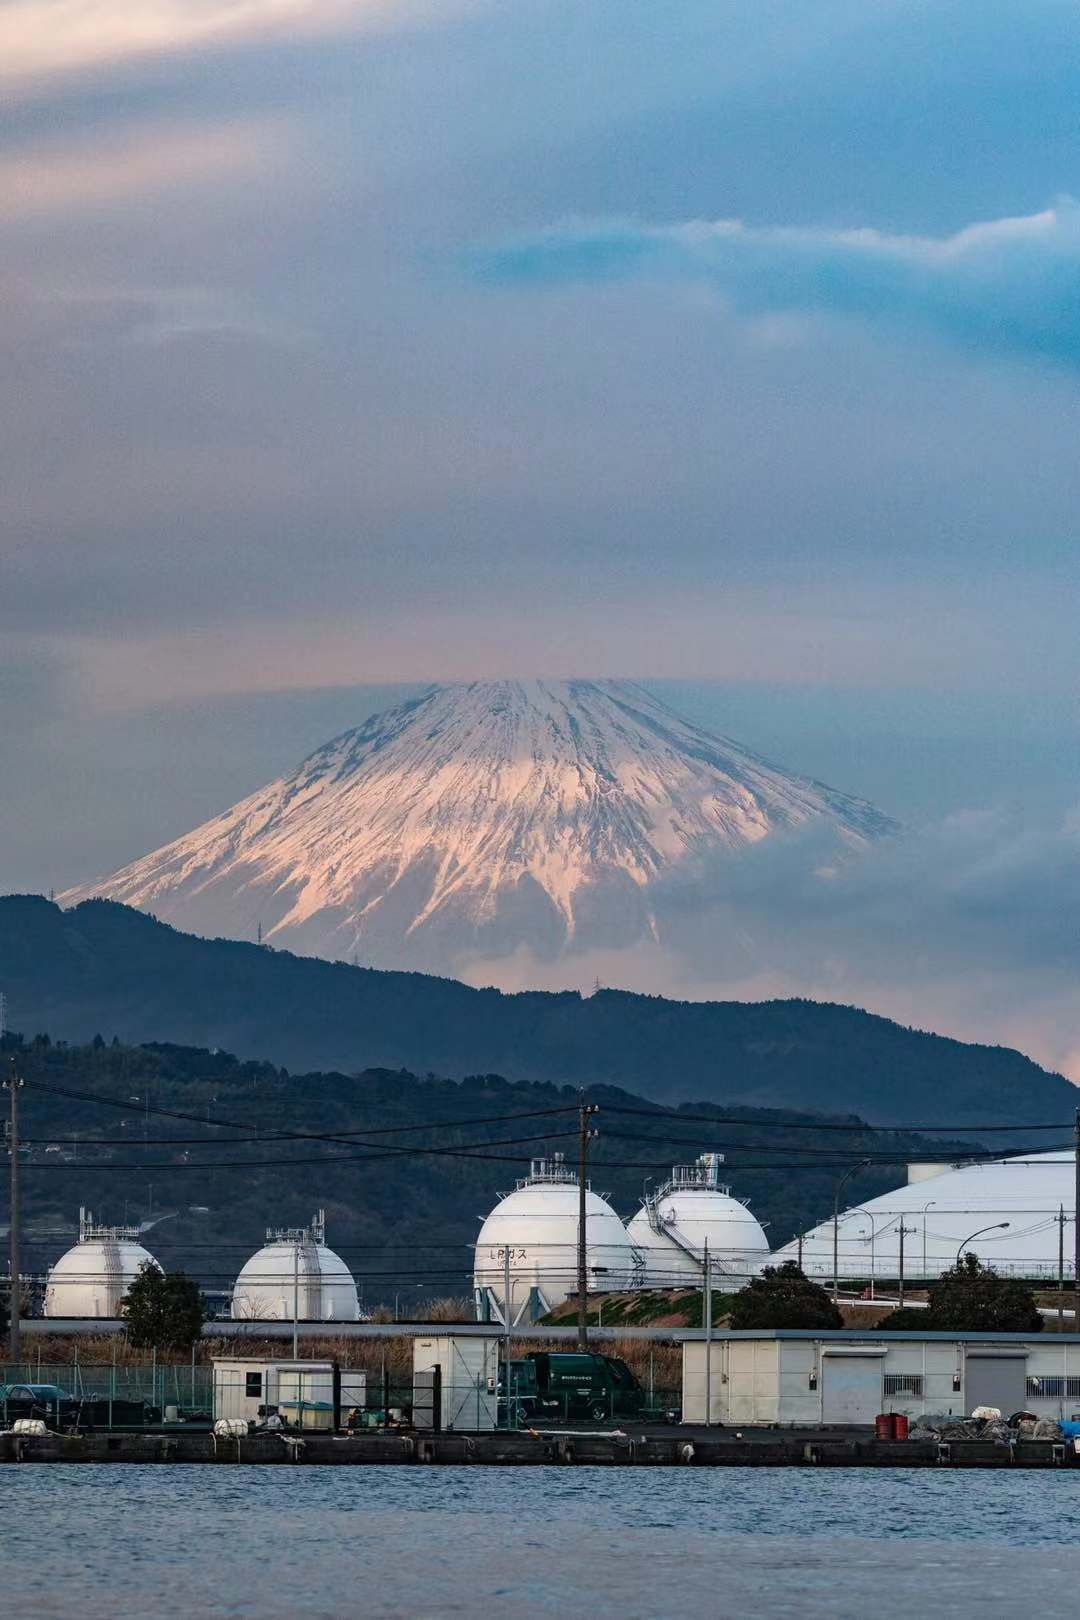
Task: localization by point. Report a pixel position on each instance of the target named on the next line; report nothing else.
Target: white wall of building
(787, 1381)
(469, 1369)
(244, 1384)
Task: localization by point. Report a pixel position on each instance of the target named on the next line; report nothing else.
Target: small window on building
(253, 1383)
(903, 1384)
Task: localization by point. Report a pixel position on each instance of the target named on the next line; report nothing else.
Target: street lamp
(999, 1226)
(860, 1210)
(844, 1179)
(925, 1208)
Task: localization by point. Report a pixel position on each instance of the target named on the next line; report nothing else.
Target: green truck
(569, 1385)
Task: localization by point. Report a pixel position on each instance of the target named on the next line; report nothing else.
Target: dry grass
(98, 1350)
(865, 1315)
(394, 1353)
(448, 1310)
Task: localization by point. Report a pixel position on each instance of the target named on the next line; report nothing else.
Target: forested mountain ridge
(205, 1152)
(102, 967)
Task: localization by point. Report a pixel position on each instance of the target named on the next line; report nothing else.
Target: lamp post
(999, 1226)
(925, 1208)
(840, 1185)
(860, 1209)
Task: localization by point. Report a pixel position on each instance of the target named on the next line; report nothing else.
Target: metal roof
(876, 1336)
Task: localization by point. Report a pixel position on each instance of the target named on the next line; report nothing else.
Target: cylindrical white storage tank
(1020, 1201)
(691, 1210)
(295, 1273)
(92, 1278)
(537, 1224)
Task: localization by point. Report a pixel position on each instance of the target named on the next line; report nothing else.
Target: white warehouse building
(795, 1376)
(295, 1274)
(91, 1279)
(1008, 1211)
(534, 1229)
(688, 1216)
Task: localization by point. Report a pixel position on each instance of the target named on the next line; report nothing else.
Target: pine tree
(163, 1309)
(972, 1298)
(783, 1297)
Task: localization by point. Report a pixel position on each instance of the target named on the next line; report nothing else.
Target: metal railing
(71, 1395)
(107, 1394)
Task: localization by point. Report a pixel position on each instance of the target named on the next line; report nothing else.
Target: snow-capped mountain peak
(485, 815)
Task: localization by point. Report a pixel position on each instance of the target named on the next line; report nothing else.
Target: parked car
(63, 1411)
(46, 1401)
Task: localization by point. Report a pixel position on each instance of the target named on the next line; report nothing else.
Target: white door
(851, 1388)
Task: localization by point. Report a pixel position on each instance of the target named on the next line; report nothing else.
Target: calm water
(176, 1542)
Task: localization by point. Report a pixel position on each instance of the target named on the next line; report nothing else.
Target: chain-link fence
(69, 1395)
(80, 1394)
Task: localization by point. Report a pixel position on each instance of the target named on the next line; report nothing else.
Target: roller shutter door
(995, 1380)
(851, 1388)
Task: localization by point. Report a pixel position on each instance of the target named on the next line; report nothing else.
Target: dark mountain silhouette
(104, 968)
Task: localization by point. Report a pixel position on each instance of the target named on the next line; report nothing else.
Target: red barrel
(883, 1426)
(900, 1425)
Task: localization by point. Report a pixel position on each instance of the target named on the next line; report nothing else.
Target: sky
(730, 345)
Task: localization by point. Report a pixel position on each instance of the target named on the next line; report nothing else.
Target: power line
(882, 1156)
(657, 1114)
(306, 1136)
(165, 1167)
(381, 1153)
(823, 1125)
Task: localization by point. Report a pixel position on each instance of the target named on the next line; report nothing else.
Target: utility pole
(707, 1309)
(1061, 1268)
(1076, 1228)
(14, 1084)
(846, 1177)
(903, 1231)
(585, 1113)
(900, 1288)
(296, 1301)
(506, 1324)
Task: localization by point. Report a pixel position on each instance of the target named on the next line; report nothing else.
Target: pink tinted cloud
(40, 39)
(45, 179)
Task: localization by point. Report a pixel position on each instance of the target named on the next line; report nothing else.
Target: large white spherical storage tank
(690, 1215)
(296, 1273)
(944, 1207)
(538, 1224)
(91, 1279)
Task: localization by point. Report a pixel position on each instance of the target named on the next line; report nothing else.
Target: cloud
(965, 926)
(46, 180)
(1001, 285)
(40, 39)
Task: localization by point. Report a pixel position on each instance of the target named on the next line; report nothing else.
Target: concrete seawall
(535, 1450)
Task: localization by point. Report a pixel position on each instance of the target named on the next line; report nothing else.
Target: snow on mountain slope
(482, 816)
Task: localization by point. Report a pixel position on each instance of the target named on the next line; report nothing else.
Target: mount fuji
(480, 818)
